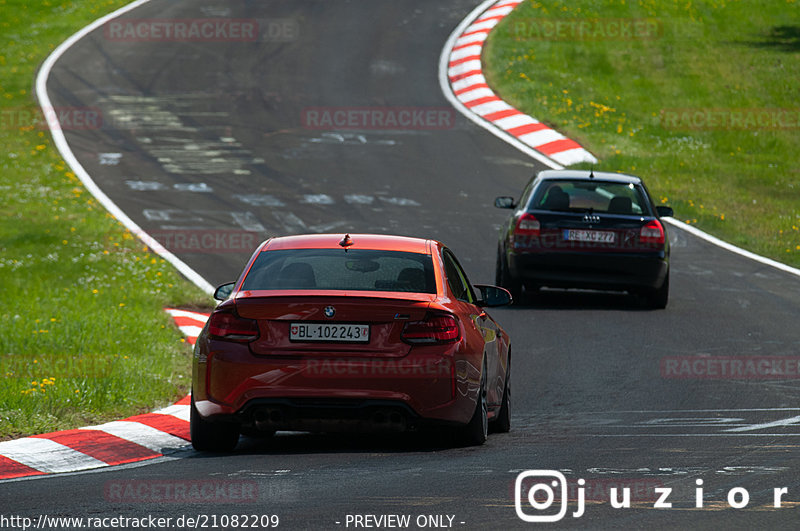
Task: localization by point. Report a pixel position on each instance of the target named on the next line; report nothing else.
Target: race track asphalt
(215, 136)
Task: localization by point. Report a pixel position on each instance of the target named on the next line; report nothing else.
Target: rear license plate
(349, 333)
(594, 236)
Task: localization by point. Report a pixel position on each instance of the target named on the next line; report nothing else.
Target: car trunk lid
(594, 232)
(342, 314)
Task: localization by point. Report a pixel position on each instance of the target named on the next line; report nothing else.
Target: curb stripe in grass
(66, 152)
(108, 448)
(48, 456)
(512, 125)
(14, 469)
(190, 323)
(462, 80)
(136, 438)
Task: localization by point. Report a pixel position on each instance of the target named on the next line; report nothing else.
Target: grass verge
(84, 337)
(699, 98)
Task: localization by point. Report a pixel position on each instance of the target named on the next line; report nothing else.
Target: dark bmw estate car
(585, 229)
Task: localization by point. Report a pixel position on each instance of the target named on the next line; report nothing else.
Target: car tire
(476, 431)
(502, 424)
(503, 277)
(211, 436)
(658, 298)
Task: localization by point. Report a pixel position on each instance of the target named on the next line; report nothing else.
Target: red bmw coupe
(361, 333)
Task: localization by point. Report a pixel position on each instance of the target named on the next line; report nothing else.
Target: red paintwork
(438, 382)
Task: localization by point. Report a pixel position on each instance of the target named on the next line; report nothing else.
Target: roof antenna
(591, 172)
(346, 242)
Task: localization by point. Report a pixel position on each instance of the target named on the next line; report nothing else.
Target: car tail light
(527, 225)
(230, 327)
(652, 233)
(435, 328)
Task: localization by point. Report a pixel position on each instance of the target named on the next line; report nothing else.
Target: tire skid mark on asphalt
(133, 439)
(759, 422)
(194, 150)
(179, 148)
(176, 229)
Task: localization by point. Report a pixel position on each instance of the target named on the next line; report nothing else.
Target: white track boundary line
(732, 248)
(66, 152)
(444, 84)
(793, 421)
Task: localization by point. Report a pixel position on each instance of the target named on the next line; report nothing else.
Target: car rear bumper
(328, 394)
(328, 415)
(597, 270)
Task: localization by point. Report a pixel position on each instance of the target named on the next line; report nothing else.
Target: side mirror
(504, 202)
(664, 211)
(224, 291)
(492, 296)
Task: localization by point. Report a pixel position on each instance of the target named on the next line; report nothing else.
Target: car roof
(584, 175)
(378, 242)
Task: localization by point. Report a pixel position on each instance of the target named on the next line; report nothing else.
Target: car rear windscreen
(595, 196)
(335, 269)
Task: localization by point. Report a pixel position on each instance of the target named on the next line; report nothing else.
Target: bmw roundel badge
(330, 311)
